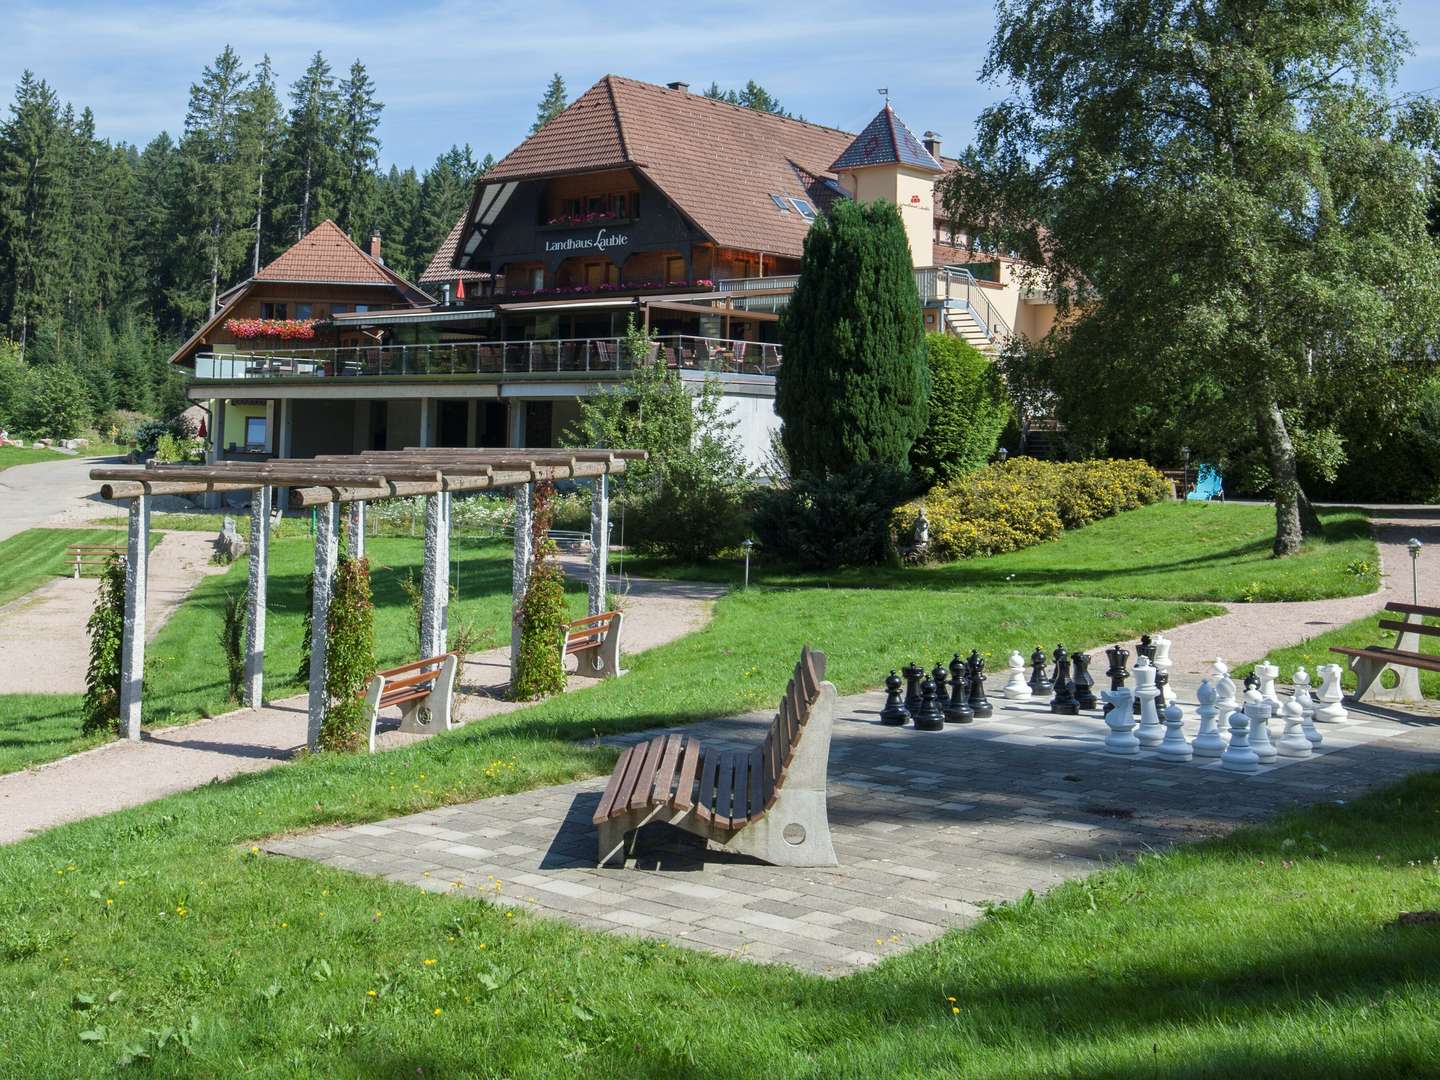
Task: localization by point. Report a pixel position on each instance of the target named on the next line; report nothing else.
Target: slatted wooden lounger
(768, 802)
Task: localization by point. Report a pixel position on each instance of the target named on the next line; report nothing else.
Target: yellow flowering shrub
(1024, 501)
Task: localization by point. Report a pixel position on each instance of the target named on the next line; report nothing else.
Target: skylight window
(779, 200)
(802, 207)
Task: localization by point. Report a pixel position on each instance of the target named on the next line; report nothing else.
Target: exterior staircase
(966, 310)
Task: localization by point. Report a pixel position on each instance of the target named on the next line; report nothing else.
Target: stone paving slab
(928, 828)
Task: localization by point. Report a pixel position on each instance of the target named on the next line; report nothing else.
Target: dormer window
(779, 200)
(802, 207)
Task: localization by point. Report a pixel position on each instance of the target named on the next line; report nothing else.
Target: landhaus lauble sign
(601, 241)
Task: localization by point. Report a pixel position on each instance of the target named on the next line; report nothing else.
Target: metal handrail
(955, 284)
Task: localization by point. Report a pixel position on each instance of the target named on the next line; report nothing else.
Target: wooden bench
(423, 691)
(1404, 657)
(92, 556)
(768, 802)
(595, 644)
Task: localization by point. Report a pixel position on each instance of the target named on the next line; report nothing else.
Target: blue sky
(472, 71)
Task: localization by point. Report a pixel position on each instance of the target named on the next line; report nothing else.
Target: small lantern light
(1185, 473)
(747, 544)
(1003, 454)
(1414, 545)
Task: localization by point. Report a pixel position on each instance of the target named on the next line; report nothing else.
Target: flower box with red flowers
(279, 329)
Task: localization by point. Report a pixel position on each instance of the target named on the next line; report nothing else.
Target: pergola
(325, 483)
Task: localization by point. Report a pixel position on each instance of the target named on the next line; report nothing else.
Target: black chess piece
(1146, 648)
(1252, 681)
(1117, 671)
(894, 713)
(957, 709)
(1084, 681)
(1063, 703)
(929, 717)
(913, 673)
(979, 703)
(1162, 684)
(1040, 684)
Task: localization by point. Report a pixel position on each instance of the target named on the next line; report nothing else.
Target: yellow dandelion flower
(951, 1000)
(954, 1010)
(121, 882)
(437, 1012)
(509, 914)
(371, 993)
(108, 901)
(284, 926)
(254, 850)
(429, 963)
(482, 944)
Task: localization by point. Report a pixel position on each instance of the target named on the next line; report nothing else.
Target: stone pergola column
(132, 641)
(520, 569)
(434, 586)
(327, 530)
(356, 525)
(599, 544)
(255, 623)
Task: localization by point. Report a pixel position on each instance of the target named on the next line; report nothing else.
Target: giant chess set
(1231, 725)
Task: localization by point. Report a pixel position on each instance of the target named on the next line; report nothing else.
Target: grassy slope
(31, 558)
(1178, 551)
(16, 455)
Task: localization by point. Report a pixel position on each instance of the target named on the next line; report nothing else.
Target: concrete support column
(520, 569)
(327, 531)
(434, 586)
(356, 527)
(255, 623)
(599, 544)
(212, 500)
(425, 435)
(517, 423)
(471, 408)
(444, 554)
(132, 640)
(281, 496)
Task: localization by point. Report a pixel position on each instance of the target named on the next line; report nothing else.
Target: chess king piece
(1209, 742)
(1163, 663)
(1268, 673)
(1258, 711)
(1016, 688)
(1238, 757)
(1121, 737)
(929, 717)
(1294, 743)
(1040, 684)
(1084, 681)
(975, 670)
(1145, 648)
(957, 709)
(1331, 711)
(1307, 707)
(1063, 703)
(913, 673)
(894, 714)
(1151, 732)
(1174, 747)
(1117, 671)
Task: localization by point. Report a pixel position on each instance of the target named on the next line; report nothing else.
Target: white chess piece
(1267, 673)
(1238, 757)
(1017, 689)
(1307, 707)
(1330, 710)
(1219, 669)
(1163, 663)
(1209, 742)
(1151, 733)
(1294, 742)
(1258, 710)
(1174, 747)
(1121, 738)
(1225, 701)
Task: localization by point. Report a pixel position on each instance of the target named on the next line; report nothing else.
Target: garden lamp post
(1002, 453)
(1414, 545)
(747, 545)
(1185, 473)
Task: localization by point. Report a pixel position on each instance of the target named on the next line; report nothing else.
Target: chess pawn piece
(913, 673)
(1268, 673)
(1117, 671)
(1258, 710)
(1294, 743)
(1163, 663)
(1151, 733)
(957, 709)
(1084, 681)
(939, 678)
(929, 717)
(1307, 708)
(1330, 710)
(1040, 684)
(1121, 737)
(1063, 703)
(1209, 742)
(1017, 689)
(894, 714)
(1174, 747)
(1238, 757)
(979, 703)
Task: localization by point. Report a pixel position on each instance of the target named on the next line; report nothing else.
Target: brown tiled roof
(440, 269)
(326, 254)
(718, 163)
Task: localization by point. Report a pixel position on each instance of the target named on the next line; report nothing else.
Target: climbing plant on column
(349, 655)
(107, 631)
(539, 668)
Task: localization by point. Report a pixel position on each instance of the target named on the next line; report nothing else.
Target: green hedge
(1022, 502)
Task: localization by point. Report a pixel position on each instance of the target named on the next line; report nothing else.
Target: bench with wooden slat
(1404, 658)
(594, 641)
(767, 801)
(92, 556)
(422, 690)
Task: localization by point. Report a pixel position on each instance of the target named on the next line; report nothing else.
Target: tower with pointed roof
(886, 161)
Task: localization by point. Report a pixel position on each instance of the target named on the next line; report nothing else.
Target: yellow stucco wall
(235, 417)
(912, 190)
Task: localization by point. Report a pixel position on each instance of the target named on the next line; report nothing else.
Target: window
(255, 433)
(619, 206)
(779, 200)
(802, 207)
(360, 309)
(674, 270)
(596, 204)
(537, 279)
(339, 309)
(274, 311)
(302, 311)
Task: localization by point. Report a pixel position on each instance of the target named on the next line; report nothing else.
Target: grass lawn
(30, 558)
(27, 455)
(1171, 550)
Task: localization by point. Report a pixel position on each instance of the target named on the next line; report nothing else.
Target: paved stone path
(928, 827)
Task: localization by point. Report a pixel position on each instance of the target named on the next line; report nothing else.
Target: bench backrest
(788, 727)
(408, 679)
(1412, 609)
(589, 630)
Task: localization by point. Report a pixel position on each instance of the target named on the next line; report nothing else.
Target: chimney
(932, 144)
(683, 87)
(375, 242)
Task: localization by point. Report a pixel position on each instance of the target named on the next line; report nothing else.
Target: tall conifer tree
(359, 151)
(552, 104)
(310, 158)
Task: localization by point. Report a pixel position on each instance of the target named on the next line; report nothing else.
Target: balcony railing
(577, 355)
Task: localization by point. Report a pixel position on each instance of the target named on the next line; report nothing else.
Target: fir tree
(854, 388)
(551, 105)
(359, 151)
(262, 127)
(444, 194)
(309, 150)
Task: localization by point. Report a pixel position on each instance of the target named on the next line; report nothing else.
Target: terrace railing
(549, 356)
